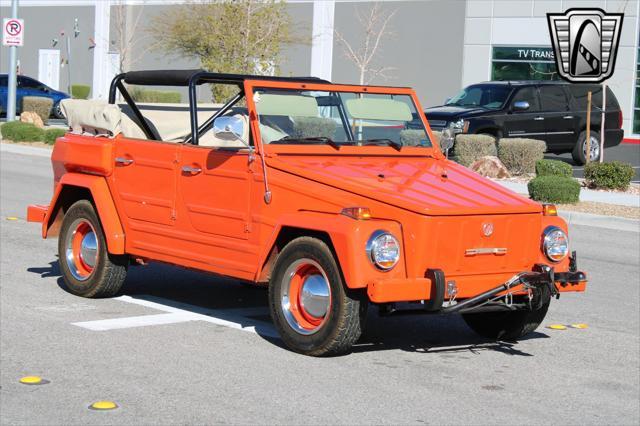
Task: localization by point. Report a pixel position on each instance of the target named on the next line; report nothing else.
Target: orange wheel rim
(306, 296)
(81, 249)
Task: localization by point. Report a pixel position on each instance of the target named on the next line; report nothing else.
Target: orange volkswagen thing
(332, 196)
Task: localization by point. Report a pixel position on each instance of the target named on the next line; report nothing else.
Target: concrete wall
(524, 23)
(42, 24)
(425, 49)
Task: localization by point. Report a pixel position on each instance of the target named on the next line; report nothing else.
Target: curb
(25, 150)
(600, 221)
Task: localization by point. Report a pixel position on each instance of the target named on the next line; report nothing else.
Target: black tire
(108, 272)
(509, 326)
(578, 152)
(346, 313)
(56, 111)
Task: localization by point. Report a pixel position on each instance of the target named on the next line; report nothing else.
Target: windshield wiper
(396, 145)
(322, 139)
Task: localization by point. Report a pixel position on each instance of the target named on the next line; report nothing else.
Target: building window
(523, 63)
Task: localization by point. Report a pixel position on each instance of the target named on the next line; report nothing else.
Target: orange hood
(420, 184)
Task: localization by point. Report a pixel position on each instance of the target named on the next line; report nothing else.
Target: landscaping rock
(490, 166)
(33, 118)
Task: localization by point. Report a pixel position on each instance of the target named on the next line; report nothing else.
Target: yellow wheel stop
(103, 405)
(33, 380)
(578, 325)
(557, 327)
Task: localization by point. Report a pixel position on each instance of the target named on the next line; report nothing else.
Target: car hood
(421, 184)
(449, 112)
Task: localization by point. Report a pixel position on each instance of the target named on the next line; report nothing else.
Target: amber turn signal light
(358, 213)
(549, 210)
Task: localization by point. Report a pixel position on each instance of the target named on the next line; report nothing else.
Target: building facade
(435, 46)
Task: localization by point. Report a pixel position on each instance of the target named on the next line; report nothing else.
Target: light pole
(13, 54)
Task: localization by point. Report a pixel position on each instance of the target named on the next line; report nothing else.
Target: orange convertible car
(332, 196)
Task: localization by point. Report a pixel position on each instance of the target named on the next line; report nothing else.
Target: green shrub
(18, 131)
(80, 91)
(553, 168)
(50, 135)
(39, 105)
(520, 155)
(469, 148)
(554, 189)
(614, 175)
(312, 127)
(155, 96)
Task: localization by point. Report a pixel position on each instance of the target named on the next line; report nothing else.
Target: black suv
(553, 111)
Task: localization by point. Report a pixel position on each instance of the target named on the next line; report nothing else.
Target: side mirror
(521, 106)
(228, 128)
(447, 139)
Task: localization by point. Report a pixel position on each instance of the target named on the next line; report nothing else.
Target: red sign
(12, 32)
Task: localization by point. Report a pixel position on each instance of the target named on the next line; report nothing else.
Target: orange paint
(214, 217)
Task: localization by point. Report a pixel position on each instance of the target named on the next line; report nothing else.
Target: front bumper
(432, 287)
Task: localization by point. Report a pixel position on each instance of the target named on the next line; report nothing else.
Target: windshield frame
(508, 88)
(253, 85)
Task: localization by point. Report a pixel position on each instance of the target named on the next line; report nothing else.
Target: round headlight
(555, 243)
(383, 250)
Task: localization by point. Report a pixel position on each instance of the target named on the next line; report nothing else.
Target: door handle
(191, 170)
(568, 117)
(538, 118)
(124, 161)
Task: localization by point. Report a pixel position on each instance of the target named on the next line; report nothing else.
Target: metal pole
(588, 141)
(69, 65)
(602, 118)
(13, 78)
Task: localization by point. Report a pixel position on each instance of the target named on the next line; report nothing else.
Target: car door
(558, 121)
(144, 188)
(214, 192)
(524, 123)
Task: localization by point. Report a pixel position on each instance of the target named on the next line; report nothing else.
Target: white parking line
(177, 312)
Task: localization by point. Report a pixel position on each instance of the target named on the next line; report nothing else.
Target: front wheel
(311, 308)
(56, 111)
(579, 153)
(509, 326)
(88, 269)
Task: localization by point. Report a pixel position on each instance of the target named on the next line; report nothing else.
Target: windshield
(338, 118)
(490, 97)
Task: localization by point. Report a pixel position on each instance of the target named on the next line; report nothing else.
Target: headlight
(460, 125)
(383, 250)
(555, 243)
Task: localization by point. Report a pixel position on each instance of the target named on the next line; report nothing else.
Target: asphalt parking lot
(628, 153)
(179, 347)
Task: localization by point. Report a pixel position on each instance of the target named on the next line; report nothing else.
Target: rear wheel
(88, 269)
(510, 325)
(311, 308)
(579, 153)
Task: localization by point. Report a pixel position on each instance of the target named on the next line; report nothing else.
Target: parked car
(27, 86)
(330, 196)
(553, 111)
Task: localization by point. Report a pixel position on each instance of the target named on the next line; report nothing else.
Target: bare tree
(375, 26)
(127, 37)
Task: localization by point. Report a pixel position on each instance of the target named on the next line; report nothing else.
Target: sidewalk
(585, 195)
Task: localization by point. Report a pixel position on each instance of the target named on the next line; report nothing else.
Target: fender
(106, 209)
(349, 237)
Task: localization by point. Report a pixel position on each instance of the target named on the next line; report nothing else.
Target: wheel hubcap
(306, 296)
(81, 250)
(594, 148)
